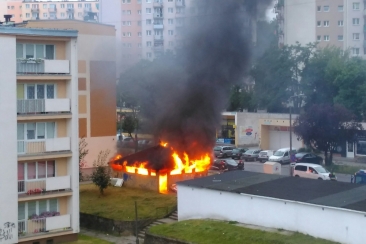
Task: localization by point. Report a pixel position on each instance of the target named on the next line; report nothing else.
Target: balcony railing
(37, 226)
(43, 66)
(158, 15)
(158, 37)
(52, 10)
(35, 10)
(70, 10)
(160, 26)
(31, 187)
(36, 106)
(44, 146)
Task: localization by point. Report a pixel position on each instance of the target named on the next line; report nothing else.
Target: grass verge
(83, 239)
(218, 232)
(119, 203)
(342, 169)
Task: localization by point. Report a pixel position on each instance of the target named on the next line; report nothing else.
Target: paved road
(258, 167)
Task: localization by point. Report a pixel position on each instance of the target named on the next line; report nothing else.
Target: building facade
(38, 139)
(337, 23)
(96, 84)
(70, 9)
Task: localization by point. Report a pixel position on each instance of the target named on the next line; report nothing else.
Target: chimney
(7, 17)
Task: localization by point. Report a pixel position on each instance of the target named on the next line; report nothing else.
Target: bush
(101, 174)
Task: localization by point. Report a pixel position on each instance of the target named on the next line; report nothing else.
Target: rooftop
(324, 193)
(37, 32)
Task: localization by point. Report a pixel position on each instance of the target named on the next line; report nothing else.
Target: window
(356, 6)
(148, 21)
(139, 23)
(139, 12)
(35, 51)
(80, 14)
(27, 6)
(36, 131)
(27, 209)
(148, 1)
(37, 91)
(355, 51)
(87, 5)
(319, 23)
(356, 21)
(128, 12)
(129, 34)
(148, 44)
(70, 5)
(319, 38)
(340, 22)
(128, 23)
(340, 8)
(139, 45)
(148, 32)
(44, 6)
(326, 23)
(139, 34)
(170, 10)
(340, 37)
(62, 5)
(326, 8)
(45, 15)
(170, 32)
(36, 170)
(170, 21)
(139, 1)
(80, 5)
(356, 36)
(319, 8)
(62, 14)
(148, 10)
(326, 38)
(148, 55)
(27, 15)
(301, 168)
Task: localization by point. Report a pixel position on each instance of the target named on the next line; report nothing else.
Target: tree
(323, 127)
(101, 174)
(239, 99)
(82, 154)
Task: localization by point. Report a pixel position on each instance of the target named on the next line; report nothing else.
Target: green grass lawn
(83, 239)
(218, 232)
(118, 203)
(342, 169)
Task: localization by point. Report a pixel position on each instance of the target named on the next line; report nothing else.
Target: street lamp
(301, 102)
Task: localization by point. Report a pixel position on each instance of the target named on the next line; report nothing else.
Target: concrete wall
(250, 121)
(334, 224)
(8, 140)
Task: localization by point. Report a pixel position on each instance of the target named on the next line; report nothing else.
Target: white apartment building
(338, 23)
(39, 180)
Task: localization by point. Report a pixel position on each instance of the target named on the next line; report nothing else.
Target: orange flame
(163, 183)
(163, 144)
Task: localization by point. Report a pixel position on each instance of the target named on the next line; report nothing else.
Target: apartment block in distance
(39, 180)
(339, 23)
(96, 84)
(86, 10)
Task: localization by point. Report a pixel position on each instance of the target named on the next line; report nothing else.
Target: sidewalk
(359, 162)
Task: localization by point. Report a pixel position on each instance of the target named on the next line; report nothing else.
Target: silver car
(223, 151)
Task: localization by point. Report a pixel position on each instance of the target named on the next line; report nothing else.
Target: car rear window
(236, 150)
(301, 168)
(227, 148)
(217, 149)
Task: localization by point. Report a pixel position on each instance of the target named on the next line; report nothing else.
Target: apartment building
(12, 7)
(339, 23)
(39, 180)
(96, 84)
(66, 9)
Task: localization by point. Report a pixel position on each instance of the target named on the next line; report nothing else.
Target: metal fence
(28, 106)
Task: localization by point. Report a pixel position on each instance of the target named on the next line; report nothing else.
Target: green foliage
(82, 154)
(129, 124)
(323, 127)
(239, 99)
(101, 174)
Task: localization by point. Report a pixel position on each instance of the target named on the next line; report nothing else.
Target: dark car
(238, 152)
(308, 158)
(251, 155)
(227, 165)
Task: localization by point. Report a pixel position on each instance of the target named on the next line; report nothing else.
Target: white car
(282, 155)
(311, 171)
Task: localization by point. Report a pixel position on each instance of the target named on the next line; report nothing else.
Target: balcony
(44, 146)
(158, 37)
(44, 186)
(39, 226)
(35, 10)
(38, 106)
(158, 15)
(70, 10)
(43, 66)
(52, 10)
(158, 26)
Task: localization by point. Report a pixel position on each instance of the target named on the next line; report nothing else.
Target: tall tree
(323, 127)
(239, 99)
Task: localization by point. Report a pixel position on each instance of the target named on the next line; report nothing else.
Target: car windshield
(231, 162)
(217, 149)
(321, 170)
(278, 153)
(249, 152)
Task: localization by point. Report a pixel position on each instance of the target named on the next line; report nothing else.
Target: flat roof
(320, 192)
(37, 32)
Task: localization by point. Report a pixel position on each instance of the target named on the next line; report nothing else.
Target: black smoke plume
(184, 94)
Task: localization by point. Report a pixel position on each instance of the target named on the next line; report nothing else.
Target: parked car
(264, 155)
(312, 171)
(227, 165)
(359, 177)
(282, 155)
(308, 158)
(223, 151)
(238, 152)
(251, 154)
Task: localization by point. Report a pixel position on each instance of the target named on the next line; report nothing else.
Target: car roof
(300, 154)
(286, 149)
(308, 164)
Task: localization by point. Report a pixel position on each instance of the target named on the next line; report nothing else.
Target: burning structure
(181, 95)
(159, 167)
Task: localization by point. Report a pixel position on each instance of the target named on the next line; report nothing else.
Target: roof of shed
(325, 193)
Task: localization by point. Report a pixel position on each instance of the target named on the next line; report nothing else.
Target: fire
(183, 164)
